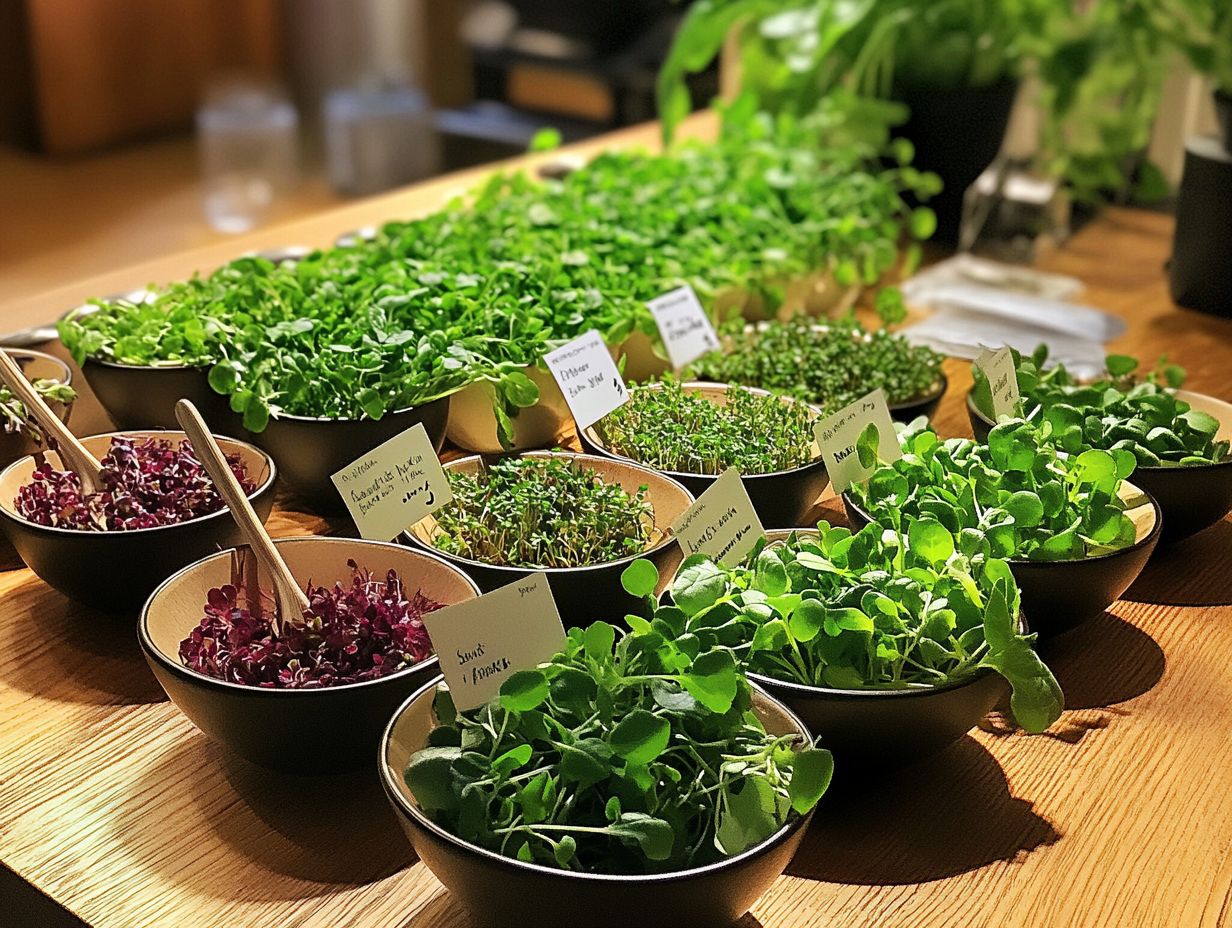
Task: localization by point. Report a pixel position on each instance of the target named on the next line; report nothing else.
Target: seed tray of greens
(671, 427)
(829, 366)
(627, 753)
(1015, 497)
(546, 512)
(876, 610)
(1127, 410)
(16, 418)
(482, 288)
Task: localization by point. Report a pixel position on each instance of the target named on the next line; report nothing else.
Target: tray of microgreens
(889, 645)
(643, 754)
(1179, 439)
(695, 431)
(1075, 531)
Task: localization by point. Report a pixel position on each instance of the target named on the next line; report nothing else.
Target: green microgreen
(15, 416)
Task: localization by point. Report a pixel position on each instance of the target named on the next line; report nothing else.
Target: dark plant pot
(36, 366)
(501, 891)
(956, 134)
(924, 405)
(605, 26)
(145, 397)
(582, 594)
(1058, 595)
(117, 571)
(1190, 498)
(1223, 113)
(309, 450)
(783, 498)
(298, 731)
(1200, 271)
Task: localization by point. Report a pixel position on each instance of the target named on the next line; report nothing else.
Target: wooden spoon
(291, 601)
(72, 452)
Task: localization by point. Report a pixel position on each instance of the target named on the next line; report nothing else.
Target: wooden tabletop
(118, 809)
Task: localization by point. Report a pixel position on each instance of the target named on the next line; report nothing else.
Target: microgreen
(669, 427)
(542, 512)
(633, 752)
(15, 416)
(1015, 497)
(1139, 413)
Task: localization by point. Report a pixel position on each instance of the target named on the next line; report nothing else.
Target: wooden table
(113, 805)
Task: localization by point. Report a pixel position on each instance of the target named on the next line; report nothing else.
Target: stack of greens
(1123, 411)
(830, 366)
(872, 610)
(542, 512)
(669, 427)
(1015, 497)
(630, 754)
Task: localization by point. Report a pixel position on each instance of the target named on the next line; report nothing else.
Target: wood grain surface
(113, 805)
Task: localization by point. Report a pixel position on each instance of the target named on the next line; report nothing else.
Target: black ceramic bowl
(303, 731)
(1191, 498)
(309, 449)
(116, 571)
(1057, 595)
(36, 366)
(145, 397)
(923, 405)
(781, 498)
(582, 594)
(502, 891)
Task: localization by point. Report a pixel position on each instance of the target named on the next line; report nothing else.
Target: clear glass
(379, 136)
(248, 139)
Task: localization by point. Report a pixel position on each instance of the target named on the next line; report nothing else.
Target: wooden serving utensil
(291, 601)
(72, 452)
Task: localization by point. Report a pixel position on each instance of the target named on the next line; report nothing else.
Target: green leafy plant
(873, 610)
(1015, 497)
(15, 416)
(829, 366)
(668, 426)
(626, 753)
(542, 512)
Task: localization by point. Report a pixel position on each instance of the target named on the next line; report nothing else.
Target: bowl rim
(819, 461)
(1153, 469)
(399, 801)
(286, 417)
(262, 488)
(667, 540)
(154, 653)
(1148, 539)
(65, 373)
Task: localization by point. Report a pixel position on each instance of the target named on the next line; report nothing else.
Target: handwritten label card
(722, 523)
(588, 378)
(394, 485)
(998, 367)
(837, 434)
(482, 641)
(685, 327)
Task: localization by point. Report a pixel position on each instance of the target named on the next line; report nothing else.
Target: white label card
(722, 524)
(686, 329)
(588, 378)
(394, 485)
(998, 367)
(837, 435)
(483, 641)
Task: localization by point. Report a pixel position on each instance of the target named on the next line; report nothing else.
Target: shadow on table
(947, 815)
(1193, 572)
(73, 654)
(1103, 662)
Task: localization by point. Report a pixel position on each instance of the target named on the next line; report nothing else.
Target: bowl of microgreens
(694, 431)
(308, 693)
(829, 365)
(634, 779)
(1075, 531)
(155, 510)
(579, 518)
(890, 648)
(52, 380)
(1180, 439)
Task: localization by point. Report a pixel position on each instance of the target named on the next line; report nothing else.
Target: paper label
(722, 524)
(482, 641)
(837, 434)
(394, 485)
(998, 367)
(588, 378)
(686, 329)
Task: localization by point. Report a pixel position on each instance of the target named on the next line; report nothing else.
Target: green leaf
(429, 779)
(807, 620)
(641, 737)
(564, 850)
(519, 389)
(1026, 508)
(867, 445)
(698, 586)
(585, 763)
(598, 639)
(712, 680)
(1119, 365)
(748, 817)
(770, 576)
(524, 690)
(653, 836)
(811, 772)
(545, 140)
(640, 578)
(513, 759)
(931, 540)
(1036, 700)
